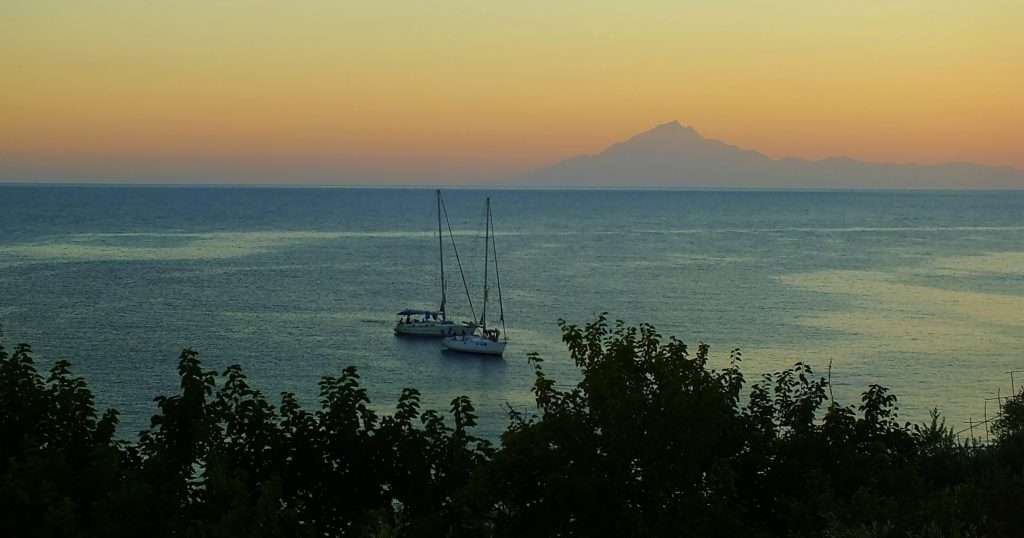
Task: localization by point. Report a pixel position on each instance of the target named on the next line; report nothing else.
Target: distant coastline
(670, 156)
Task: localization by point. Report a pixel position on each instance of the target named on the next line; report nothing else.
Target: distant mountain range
(674, 155)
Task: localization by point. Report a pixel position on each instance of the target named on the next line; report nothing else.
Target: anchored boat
(483, 340)
(435, 323)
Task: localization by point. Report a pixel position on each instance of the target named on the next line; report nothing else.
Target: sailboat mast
(497, 278)
(440, 253)
(487, 245)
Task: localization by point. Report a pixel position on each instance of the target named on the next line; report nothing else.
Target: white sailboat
(417, 322)
(484, 340)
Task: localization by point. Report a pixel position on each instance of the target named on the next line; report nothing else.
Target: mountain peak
(667, 138)
(674, 127)
(674, 154)
(664, 136)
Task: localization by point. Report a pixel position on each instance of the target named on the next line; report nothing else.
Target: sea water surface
(920, 291)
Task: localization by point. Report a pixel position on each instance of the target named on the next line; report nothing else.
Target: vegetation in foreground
(652, 442)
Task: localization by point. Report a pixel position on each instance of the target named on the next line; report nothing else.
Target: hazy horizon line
(486, 186)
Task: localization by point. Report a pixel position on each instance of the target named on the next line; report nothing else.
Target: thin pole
(440, 253)
(999, 410)
(986, 420)
(831, 396)
(487, 246)
(497, 278)
(1013, 387)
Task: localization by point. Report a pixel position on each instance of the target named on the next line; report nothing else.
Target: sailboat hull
(474, 344)
(436, 329)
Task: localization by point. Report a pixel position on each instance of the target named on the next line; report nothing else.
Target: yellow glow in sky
(410, 91)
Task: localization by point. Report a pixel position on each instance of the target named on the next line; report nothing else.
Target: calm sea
(921, 292)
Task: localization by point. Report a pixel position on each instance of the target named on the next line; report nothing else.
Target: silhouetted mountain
(673, 154)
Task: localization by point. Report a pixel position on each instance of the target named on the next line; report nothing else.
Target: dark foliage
(652, 442)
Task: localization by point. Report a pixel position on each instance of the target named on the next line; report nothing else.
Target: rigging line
(497, 278)
(451, 234)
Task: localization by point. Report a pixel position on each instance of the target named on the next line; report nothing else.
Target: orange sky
(319, 90)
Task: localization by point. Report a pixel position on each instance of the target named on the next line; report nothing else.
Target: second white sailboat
(484, 340)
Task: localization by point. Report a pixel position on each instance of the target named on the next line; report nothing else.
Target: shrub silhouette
(651, 442)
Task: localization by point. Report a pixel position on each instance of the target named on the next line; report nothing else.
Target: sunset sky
(459, 92)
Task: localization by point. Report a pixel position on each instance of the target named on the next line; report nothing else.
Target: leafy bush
(651, 442)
